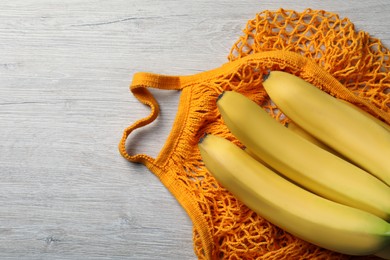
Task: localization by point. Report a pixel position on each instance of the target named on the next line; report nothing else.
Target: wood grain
(65, 67)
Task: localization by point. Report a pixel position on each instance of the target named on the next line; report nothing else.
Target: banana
(343, 128)
(301, 161)
(301, 132)
(308, 216)
(380, 122)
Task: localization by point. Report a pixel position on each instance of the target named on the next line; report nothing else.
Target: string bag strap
(142, 81)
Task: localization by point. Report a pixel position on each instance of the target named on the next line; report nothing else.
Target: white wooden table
(65, 68)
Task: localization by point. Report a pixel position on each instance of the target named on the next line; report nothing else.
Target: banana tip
(202, 138)
(266, 75)
(220, 95)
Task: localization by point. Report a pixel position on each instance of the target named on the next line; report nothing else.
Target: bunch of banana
(310, 217)
(297, 180)
(335, 123)
(300, 160)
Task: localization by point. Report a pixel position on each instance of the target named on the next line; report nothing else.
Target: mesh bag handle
(139, 87)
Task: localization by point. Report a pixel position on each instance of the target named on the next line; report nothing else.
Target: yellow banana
(301, 132)
(308, 216)
(380, 122)
(300, 160)
(343, 128)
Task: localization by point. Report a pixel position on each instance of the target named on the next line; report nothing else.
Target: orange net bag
(317, 46)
